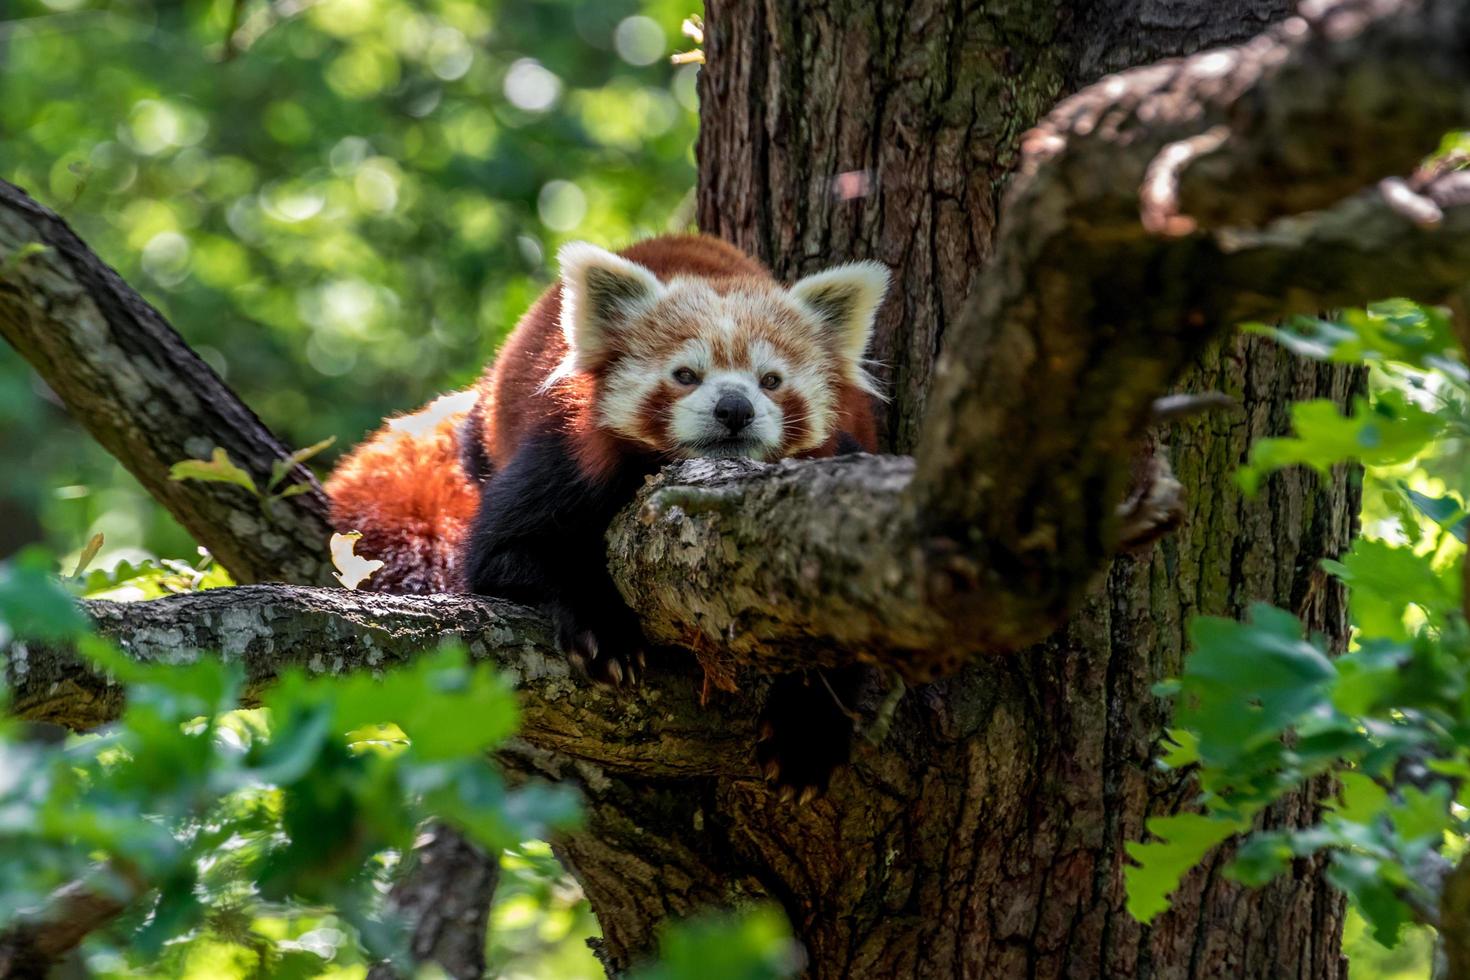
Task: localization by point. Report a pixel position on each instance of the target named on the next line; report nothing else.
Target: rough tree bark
(984, 835)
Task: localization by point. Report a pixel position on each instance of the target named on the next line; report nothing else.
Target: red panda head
(697, 366)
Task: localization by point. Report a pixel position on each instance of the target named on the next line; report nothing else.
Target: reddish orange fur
(409, 494)
(406, 491)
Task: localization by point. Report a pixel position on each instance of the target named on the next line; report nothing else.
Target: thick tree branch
(1308, 113)
(657, 729)
(1085, 314)
(740, 560)
(126, 376)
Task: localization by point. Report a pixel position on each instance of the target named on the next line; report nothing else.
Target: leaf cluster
(1262, 708)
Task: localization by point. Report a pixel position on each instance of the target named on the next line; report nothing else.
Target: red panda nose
(734, 412)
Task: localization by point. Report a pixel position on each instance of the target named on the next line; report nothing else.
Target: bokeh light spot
(529, 86)
(562, 205)
(639, 40)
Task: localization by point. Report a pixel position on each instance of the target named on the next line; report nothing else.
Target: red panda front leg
(539, 538)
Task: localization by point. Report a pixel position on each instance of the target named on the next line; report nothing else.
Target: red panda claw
(615, 671)
(808, 793)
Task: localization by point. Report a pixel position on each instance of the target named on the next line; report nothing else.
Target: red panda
(677, 347)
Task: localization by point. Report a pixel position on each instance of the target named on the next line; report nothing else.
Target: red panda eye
(771, 382)
(686, 377)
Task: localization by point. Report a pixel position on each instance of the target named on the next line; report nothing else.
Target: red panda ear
(844, 302)
(601, 292)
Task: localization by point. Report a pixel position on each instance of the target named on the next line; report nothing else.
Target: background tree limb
(38, 939)
(127, 376)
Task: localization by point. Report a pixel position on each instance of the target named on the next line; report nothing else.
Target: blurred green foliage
(235, 833)
(753, 946)
(261, 842)
(343, 209)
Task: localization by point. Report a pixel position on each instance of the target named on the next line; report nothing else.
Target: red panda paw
(607, 654)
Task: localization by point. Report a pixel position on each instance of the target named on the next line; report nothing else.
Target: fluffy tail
(406, 490)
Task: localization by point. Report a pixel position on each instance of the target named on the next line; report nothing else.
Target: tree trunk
(984, 837)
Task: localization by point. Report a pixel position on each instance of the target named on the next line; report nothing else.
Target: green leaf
(1385, 581)
(219, 468)
(1182, 749)
(1362, 799)
(1423, 815)
(1375, 895)
(1442, 510)
(1389, 430)
(448, 708)
(1394, 330)
(1368, 675)
(1447, 511)
(176, 912)
(127, 582)
(1184, 839)
(470, 795)
(1261, 858)
(1247, 683)
(33, 604)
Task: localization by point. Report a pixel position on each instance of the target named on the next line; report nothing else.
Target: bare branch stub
(37, 939)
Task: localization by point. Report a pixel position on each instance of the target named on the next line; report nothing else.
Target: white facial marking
(626, 390)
